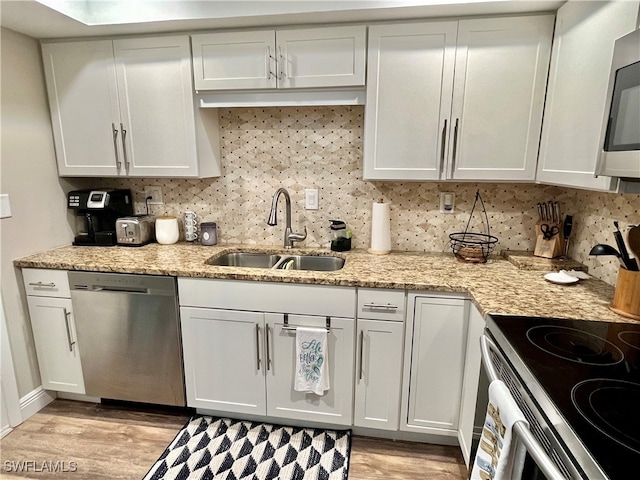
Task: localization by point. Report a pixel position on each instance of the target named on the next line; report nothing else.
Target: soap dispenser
(340, 236)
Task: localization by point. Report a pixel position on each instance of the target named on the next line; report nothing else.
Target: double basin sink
(324, 263)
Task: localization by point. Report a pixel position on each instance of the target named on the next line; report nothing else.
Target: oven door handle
(532, 445)
(485, 344)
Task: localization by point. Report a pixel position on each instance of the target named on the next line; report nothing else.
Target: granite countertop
(498, 286)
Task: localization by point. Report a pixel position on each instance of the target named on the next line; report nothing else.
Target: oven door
(544, 459)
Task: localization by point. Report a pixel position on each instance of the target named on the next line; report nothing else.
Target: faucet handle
(298, 237)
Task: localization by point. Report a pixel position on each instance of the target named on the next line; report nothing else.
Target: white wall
(28, 174)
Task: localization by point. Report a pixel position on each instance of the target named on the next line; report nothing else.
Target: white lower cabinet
(379, 374)
(54, 330)
(239, 361)
(435, 341)
(223, 359)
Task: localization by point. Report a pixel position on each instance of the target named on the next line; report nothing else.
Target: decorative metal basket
(473, 247)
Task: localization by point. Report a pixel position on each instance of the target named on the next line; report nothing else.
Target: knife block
(552, 248)
(626, 298)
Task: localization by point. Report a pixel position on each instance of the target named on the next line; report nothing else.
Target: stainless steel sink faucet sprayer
(289, 236)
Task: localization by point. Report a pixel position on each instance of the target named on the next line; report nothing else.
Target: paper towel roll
(380, 228)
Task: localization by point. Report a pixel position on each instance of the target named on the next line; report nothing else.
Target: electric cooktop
(591, 372)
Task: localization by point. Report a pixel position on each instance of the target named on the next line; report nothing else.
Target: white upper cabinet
(578, 81)
(425, 122)
(125, 107)
(409, 85)
(295, 58)
(498, 97)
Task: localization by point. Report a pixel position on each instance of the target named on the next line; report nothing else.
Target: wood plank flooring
(112, 442)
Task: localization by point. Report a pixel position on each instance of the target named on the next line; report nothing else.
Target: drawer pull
(42, 285)
(379, 305)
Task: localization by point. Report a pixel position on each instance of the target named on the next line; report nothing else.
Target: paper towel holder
(380, 228)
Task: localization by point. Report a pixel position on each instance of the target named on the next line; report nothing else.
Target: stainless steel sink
(245, 259)
(311, 262)
(321, 263)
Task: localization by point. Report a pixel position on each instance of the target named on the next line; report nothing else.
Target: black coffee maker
(96, 212)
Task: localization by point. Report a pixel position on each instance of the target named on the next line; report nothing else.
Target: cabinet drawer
(381, 304)
(46, 283)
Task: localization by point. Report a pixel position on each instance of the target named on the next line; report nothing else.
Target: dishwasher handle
(103, 288)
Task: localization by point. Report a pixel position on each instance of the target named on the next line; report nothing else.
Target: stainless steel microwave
(620, 140)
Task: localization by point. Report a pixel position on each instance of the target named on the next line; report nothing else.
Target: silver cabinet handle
(42, 285)
(361, 353)
(66, 323)
(269, 58)
(267, 329)
(379, 305)
(124, 148)
(258, 359)
(455, 147)
(115, 145)
(443, 145)
(281, 64)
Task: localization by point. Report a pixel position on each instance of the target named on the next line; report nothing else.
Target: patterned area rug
(226, 449)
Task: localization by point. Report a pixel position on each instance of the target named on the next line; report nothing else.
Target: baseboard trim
(35, 401)
(6, 430)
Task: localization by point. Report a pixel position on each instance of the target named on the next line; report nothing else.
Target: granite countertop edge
(496, 287)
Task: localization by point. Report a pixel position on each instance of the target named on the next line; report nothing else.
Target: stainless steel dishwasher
(129, 336)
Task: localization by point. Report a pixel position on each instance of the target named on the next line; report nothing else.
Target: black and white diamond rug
(222, 448)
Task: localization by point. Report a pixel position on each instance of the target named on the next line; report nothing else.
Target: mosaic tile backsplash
(264, 149)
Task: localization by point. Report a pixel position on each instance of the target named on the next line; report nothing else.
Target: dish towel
(312, 367)
(500, 456)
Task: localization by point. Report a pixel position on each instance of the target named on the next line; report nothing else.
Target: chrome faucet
(289, 236)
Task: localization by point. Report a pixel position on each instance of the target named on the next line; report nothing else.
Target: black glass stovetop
(591, 372)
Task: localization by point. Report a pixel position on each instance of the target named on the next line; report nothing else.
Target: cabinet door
(501, 73)
(379, 373)
(409, 87)
(470, 382)
(235, 60)
(578, 81)
(54, 334)
(321, 57)
(157, 107)
(335, 406)
(224, 360)
(431, 398)
(81, 84)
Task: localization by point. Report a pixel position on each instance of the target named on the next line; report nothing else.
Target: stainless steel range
(581, 379)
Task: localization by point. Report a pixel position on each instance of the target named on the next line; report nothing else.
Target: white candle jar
(167, 230)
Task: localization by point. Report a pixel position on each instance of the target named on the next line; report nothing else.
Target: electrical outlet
(447, 202)
(311, 199)
(155, 192)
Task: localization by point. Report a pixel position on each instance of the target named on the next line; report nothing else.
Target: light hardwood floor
(120, 442)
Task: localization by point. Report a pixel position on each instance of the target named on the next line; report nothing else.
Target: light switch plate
(311, 199)
(5, 206)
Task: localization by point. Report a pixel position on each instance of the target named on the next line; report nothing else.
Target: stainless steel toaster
(136, 230)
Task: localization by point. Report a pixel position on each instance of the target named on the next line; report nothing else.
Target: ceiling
(87, 18)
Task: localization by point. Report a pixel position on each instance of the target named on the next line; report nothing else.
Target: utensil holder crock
(626, 298)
